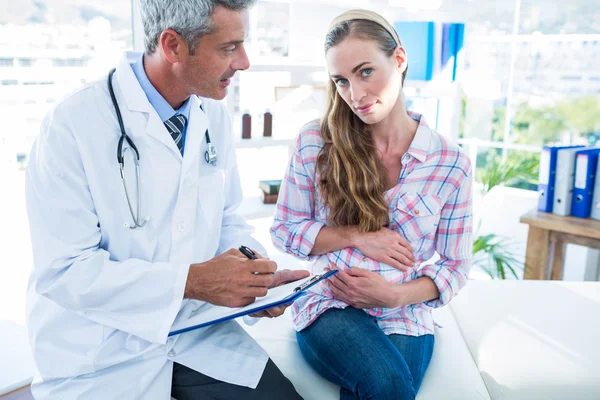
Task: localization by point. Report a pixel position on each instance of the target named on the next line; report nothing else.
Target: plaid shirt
(430, 206)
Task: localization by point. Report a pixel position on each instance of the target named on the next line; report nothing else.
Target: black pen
(248, 252)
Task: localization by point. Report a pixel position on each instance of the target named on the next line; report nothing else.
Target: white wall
(137, 30)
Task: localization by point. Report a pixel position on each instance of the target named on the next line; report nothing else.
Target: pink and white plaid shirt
(430, 206)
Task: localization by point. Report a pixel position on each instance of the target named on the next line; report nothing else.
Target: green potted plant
(493, 253)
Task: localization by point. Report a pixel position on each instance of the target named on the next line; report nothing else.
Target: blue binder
(285, 294)
(586, 162)
(547, 177)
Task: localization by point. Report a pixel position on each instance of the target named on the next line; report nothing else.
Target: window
(6, 62)
(269, 36)
(70, 62)
(58, 36)
(25, 62)
(541, 81)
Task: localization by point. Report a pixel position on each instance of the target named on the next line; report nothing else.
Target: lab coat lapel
(131, 94)
(135, 100)
(157, 129)
(195, 143)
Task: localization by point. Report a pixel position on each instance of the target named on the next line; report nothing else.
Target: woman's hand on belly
(386, 246)
(363, 289)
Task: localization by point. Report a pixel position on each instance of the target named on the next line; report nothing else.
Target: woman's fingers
(402, 258)
(338, 282)
(342, 276)
(402, 240)
(405, 246)
(395, 263)
(406, 251)
(338, 293)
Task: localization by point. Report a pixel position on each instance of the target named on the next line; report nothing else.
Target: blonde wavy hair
(351, 176)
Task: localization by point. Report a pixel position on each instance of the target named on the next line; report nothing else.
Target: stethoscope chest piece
(210, 155)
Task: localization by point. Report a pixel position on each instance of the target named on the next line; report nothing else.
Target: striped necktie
(175, 126)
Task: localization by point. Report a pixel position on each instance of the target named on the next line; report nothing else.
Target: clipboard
(281, 295)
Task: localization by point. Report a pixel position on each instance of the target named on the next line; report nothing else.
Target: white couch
(500, 340)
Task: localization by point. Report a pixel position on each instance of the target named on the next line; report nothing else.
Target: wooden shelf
(547, 239)
(584, 227)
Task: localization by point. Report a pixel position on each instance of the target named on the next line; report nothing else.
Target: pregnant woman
(374, 192)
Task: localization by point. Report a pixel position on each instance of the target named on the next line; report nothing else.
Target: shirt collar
(158, 102)
(419, 147)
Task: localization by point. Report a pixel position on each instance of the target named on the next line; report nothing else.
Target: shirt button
(408, 157)
(365, 259)
(181, 227)
(417, 211)
(172, 353)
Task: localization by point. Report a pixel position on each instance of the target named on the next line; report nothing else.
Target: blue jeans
(348, 348)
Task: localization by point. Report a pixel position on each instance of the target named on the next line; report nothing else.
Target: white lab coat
(102, 297)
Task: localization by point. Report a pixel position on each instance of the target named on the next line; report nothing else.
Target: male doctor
(116, 264)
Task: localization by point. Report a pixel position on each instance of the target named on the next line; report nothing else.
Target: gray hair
(189, 18)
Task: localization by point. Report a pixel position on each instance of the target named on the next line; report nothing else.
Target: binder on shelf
(270, 186)
(563, 187)
(595, 212)
(547, 177)
(268, 198)
(586, 162)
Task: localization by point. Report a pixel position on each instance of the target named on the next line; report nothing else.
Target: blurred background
(502, 78)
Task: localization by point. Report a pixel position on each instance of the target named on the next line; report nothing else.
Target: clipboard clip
(313, 280)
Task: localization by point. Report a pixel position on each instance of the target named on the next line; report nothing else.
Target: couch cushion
(16, 363)
(533, 339)
(452, 373)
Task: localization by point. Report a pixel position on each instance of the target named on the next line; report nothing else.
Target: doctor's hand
(281, 278)
(230, 279)
(386, 246)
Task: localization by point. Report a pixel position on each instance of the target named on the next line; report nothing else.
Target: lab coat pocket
(123, 242)
(417, 215)
(143, 242)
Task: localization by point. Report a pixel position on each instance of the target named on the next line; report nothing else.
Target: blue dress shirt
(162, 107)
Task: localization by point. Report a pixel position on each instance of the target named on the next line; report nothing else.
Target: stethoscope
(210, 156)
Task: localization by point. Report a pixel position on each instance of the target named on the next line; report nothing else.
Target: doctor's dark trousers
(189, 384)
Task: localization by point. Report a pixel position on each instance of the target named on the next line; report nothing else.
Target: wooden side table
(548, 235)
